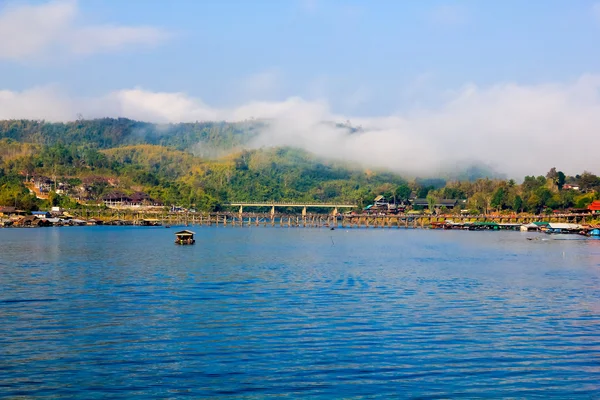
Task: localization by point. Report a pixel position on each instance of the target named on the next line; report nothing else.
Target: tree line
(93, 158)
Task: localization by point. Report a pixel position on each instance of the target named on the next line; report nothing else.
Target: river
(122, 312)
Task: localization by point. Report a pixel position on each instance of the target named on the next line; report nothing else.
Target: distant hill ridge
(209, 140)
(113, 132)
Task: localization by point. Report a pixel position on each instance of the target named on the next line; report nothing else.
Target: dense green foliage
(178, 165)
(108, 132)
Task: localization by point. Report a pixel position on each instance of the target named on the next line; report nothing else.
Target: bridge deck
(283, 204)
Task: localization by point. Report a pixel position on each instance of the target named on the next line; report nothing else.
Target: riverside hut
(563, 228)
(184, 237)
(535, 226)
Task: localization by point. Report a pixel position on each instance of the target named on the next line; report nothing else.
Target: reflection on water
(122, 312)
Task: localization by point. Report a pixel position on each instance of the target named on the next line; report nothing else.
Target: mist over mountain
(212, 140)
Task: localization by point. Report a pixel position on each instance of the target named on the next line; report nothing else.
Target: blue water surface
(122, 312)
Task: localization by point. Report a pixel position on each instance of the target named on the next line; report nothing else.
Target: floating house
(480, 226)
(184, 237)
(563, 228)
(534, 226)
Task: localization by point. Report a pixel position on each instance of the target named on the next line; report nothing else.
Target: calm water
(122, 312)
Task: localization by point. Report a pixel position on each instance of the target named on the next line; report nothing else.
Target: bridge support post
(304, 211)
(272, 210)
(335, 212)
(241, 209)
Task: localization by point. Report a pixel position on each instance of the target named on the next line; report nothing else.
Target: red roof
(595, 206)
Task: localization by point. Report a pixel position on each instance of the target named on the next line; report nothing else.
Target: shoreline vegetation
(108, 165)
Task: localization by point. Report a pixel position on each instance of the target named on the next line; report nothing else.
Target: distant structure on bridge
(291, 204)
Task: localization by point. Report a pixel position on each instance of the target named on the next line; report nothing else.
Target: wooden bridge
(316, 220)
(304, 206)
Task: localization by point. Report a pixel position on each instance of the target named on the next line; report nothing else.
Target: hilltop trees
(403, 192)
(205, 165)
(588, 181)
(14, 193)
(499, 198)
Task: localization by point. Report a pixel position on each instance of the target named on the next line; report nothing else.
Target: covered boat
(184, 237)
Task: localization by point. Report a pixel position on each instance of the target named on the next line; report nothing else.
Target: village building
(43, 184)
(41, 214)
(137, 199)
(594, 207)
(116, 199)
(448, 203)
(10, 212)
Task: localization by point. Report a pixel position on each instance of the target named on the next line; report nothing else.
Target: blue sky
(376, 51)
(417, 71)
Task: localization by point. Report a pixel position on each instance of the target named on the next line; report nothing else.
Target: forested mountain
(206, 165)
(109, 132)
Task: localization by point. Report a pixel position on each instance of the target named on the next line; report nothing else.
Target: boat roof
(185, 232)
(563, 226)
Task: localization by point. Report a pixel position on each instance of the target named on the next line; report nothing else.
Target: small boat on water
(184, 237)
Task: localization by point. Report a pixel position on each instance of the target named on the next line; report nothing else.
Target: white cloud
(161, 107)
(30, 31)
(47, 103)
(519, 129)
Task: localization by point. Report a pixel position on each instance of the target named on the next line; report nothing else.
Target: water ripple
(258, 313)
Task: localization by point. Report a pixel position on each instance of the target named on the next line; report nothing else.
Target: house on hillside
(62, 188)
(116, 199)
(43, 184)
(380, 201)
(594, 207)
(137, 199)
(568, 186)
(143, 199)
(448, 203)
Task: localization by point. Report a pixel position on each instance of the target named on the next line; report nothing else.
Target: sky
(433, 83)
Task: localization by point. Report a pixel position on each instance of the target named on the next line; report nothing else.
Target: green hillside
(205, 165)
(109, 132)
